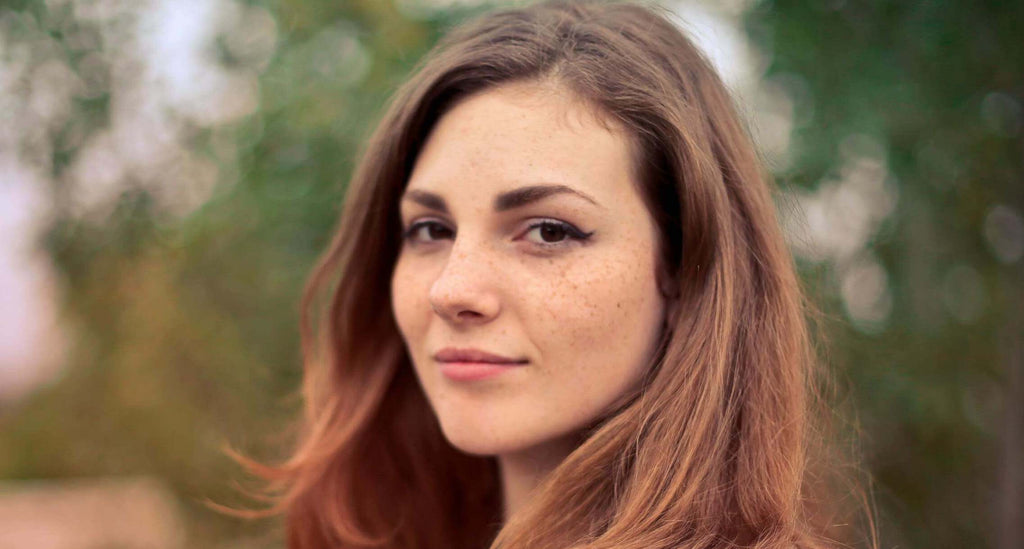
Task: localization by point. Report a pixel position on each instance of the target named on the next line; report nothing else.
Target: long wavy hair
(713, 451)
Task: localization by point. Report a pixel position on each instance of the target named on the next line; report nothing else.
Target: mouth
(474, 364)
(452, 354)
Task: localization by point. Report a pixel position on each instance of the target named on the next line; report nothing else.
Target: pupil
(551, 233)
(436, 231)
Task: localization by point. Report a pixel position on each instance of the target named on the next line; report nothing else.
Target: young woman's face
(525, 238)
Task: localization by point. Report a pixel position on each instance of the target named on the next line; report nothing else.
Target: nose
(464, 292)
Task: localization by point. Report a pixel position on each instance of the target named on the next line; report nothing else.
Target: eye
(425, 231)
(550, 232)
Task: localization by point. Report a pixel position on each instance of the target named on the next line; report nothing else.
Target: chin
(481, 440)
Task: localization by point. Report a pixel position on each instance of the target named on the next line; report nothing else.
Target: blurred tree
(183, 317)
(930, 93)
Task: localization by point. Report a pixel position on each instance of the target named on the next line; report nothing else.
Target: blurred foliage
(184, 327)
(939, 84)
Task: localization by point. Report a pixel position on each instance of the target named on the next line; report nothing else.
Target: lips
(465, 365)
(451, 354)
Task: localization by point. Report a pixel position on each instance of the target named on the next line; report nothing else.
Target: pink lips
(473, 364)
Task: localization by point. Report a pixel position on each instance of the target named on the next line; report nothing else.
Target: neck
(523, 471)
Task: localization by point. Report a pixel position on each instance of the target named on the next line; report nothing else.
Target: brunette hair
(711, 452)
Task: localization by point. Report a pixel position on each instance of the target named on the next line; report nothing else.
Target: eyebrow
(505, 201)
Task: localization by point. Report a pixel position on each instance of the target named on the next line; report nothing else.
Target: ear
(669, 290)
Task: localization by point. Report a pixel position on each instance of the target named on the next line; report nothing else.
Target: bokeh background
(170, 169)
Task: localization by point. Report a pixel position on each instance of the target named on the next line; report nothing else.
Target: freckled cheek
(595, 309)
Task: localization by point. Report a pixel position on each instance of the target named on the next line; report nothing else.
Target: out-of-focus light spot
(1001, 114)
(53, 85)
(31, 344)
(162, 67)
(864, 287)
(160, 64)
(251, 36)
(1004, 232)
(768, 106)
(177, 38)
(963, 293)
(143, 134)
(96, 176)
(773, 125)
(336, 54)
(715, 30)
(837, 220)
(188, 182)
(324, 65)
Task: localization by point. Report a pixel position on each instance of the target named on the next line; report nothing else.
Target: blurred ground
(121, 512)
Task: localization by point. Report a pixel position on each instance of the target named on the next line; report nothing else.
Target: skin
(585, 315)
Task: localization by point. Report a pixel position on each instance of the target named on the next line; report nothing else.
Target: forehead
(520, 134)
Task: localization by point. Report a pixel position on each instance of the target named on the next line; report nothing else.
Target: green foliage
(185, 330)
(923, 79)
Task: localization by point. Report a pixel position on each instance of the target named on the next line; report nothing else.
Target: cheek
(409, 298)
(602, 311)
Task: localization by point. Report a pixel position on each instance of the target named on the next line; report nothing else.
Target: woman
(559, 309)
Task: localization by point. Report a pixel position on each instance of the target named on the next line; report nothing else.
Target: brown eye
(427, 231)
(550, 233)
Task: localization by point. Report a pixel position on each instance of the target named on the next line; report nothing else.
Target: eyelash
(573, 235)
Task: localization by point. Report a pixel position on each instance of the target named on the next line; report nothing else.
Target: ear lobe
(666, 285)
(670, 293)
